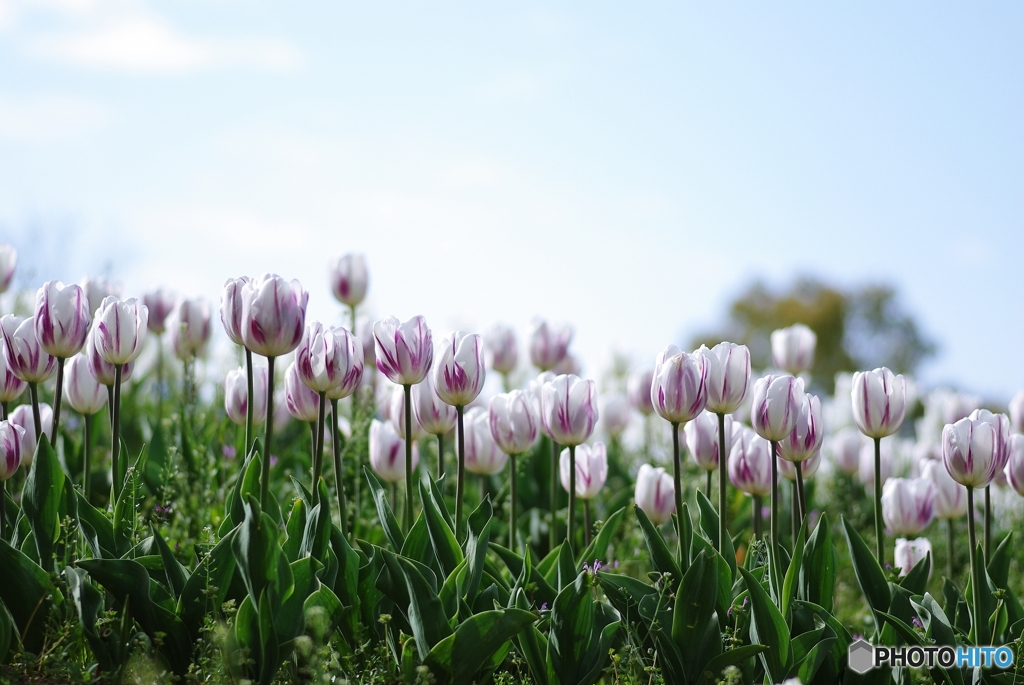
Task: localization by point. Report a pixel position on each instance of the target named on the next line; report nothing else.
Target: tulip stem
(312, 454)
(677, 481)
(757, 516)
(586, 523)
(988, 519)
(512, 503)
(269, 436)
(87, 457)
(879, 533)
(554, 494)
(572, 494)
(58, 392)
(352, 317)
(338, 480)
(774, 522)
(318, 456)
(801, 498)
(460, 473)
(110, 406)
(407, 512)
(440, 455)
(248, 401)
(483, 487)
(950, 543)
(975, 575)
(794, 514)
(37, 422)
(707, 484)
(115, 433)
(3, 507)
(160, 379)
(723, 529)
(3, 410)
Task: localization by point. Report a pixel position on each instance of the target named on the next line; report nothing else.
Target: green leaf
(817, 579)
(901, 628)
(768, 627)
(208, 585)
(476, 547)
(463, 654)
(288, 617)
(598, 547)
(542, 592)
(938, 627)
(97, 527)
(869, 574)
(999, 563)
(256, 549)
(6, 632)
(426, 615)
(156, 460)
(808, 667)
(124, 512)
(28, 594)
(713, 669)
(795, 564)
(270, 659)
(566, 566)
(916, 581)
(695, 605)
(387, 518)
(88, 603)
(247, 483)
(177, 576)
(709, 524)
(442, 538)
(661, 557)
(41, 500)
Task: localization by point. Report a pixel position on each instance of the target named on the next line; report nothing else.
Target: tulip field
(372, 501)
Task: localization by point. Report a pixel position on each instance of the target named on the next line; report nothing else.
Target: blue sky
(628, 167)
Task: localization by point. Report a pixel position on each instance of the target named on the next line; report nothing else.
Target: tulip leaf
(295, 529)
(270, 658)
(288, 617)
(598, 547)
(387, 517)
(661, 557)
(795, 564)
(713, 669)
(566, 566)
(479, 534)
(869, 574)
(709, 524)
(256, 549)
(694, 622)
(208, 585)
(541, 591)
(41, 500)
(768, 627)
(999, 563)
(442, 537)
(29, 595)
(97, 527)
(820, 563)
(176, 574)
(426, 614)
(461, 655)
(916, 581)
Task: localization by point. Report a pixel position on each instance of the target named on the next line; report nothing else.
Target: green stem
(87, 458)
(794, 514)
(440, 455)
(249, 402)
(57, 396)
(318, 456)
(677, 481)
(160, 377)
(554, 495)
(3, 410)
(975, 569)
(3, 507)
(879, 532)
(801, 498)
(988, 522)
(460, 475)
(774, 523)
(757, 515)
(407, 512)
(33, 392)
(352, 318)
(586, 523)
(707, 484)
(339, 482)
(572, 495)
(115, 437)
(950, 544)
(723, 529)
(512, 503)
(268, 437)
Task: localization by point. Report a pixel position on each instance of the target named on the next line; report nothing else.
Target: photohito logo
(864, 656)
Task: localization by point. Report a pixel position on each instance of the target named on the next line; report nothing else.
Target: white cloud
(147, 44)
(49, 118)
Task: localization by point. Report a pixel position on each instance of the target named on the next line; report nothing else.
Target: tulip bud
(459, 373)
(120, 330)
(231, 299)
(1016, 410)
(591, 469)
(10, 385)
(236, 395)
(387, 452)
(969, 451)
(436, 417)
(950, 500)
(1001, 424)
(808, 467)
(273, 315)
(514, 421)
(793, 348)
(750, 462)
(702, 439)
(349, 279)
(24, 355)
(404, 351)
(615, 414)
(327, 358)
(160, 303)
(1015, 465)
(100, 368)
(908, 505)
(62, 319)
(502, 348)
(804, 441)
(679, 390)
(655, 493)
(189, 324)
(569, 409)
(639, 390)
(98, 289)
(12, 439)
(845, 448)
(910, 552)
(84, 393)
(879, 402)
(482, 454)
(8, 262)
(347, 365)
(548, 343)
(22, 416)
(396, 414)
(728, 376)
(302, 403)
(776, 406)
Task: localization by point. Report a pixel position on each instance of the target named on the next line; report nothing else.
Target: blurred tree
(861, 328)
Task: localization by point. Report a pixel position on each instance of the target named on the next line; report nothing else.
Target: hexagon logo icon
(861, 656)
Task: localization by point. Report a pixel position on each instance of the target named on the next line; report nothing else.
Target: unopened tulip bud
(83, 392)
(502, 348)
(845, 448)
(273, 315)
(120, 330)
(950, 497)
(350, 279)
(8, 263)
(303, 404)
(702, 439)
(459, 372)
(160, 303)
(97, 290)
(514, 421)
(615, 414)
(908, 505)
(387, 452)
(776, 406)
(910, 552)
(679, 391)
(327, 357)
(22, 416)
(728, 376)
(436, 417)
(793, 348)
(879, 402)
(549, 343)
(231, 299)
(808, 468)
(969, 451)
(189, 325)
(62, 319)
(482, 454)
(1015, 465)
(12, 439)
(655, 493)
(750, 462)
(11, 386)
(404, 351)
(804, 441)
(236, 395)
(1001, 424)
(639, 391)
(591, 469)
(347, 365)
(24, 355)
(569, 409)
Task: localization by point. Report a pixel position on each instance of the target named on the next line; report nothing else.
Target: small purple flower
(273, 461)
(544, 606)
(917, 623)
(597, 565)
(229, 451)
(615, 564)
(586, 567)
(888, 566)
(745, 601)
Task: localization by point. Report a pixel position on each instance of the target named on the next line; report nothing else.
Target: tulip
(535, 389)
(749, 465)
(236, 395)
(86, 395)
(803, 443)
(1001, 424)
(502, 349)
(231, 318)
(160, 303)
(654, 493)
(702, 441)
(189, 325)
(950, 502)
(515, 425)
(808, 467)
(348, 368)
(433, 415)
(1016, 411)
(1015, 464)
(27, 359)
(11, 386)
(845, 448)
(349, 280)
(24, 416)
(910, 552)
(97, 290)
(62, 319)
(386, 449)
(591, 474)
(8, 262)
(11, 439)
(793, 348)
(615, 414)
(568, 414)
(102, 370)
(639, 390)
(273, 319)
(303, 404)
(549, 343)
(908, 505)
(569, 366)
(483, 457)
